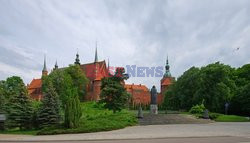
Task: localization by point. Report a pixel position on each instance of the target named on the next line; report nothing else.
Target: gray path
(162, 119)
(169, 140)
(147, 132)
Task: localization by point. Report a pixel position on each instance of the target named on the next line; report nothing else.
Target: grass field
(221, 117)
(231, 118)
(95, 118)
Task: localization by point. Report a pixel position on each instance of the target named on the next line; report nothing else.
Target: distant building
(166, 81)
(140, 94)
(95, 72)
(35, 87)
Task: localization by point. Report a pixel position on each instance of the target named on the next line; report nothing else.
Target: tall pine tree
(49, 112)
(20, 108)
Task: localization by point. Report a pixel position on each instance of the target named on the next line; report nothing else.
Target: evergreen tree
(19, 107)
(113, 94)
(49, 112)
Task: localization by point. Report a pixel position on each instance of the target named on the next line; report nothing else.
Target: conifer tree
(20, 109)
(49, 111)
(113, 93)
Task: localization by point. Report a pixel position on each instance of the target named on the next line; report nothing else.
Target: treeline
(214, 85)
(62, 91)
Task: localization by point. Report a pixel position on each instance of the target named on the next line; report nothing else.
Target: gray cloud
(142, 32)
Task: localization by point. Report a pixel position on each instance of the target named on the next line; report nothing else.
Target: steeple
(77, 60)
(167, 67)
(96, 56)
(108, 68)
(108, 63)
(56, 66)
(45, 71)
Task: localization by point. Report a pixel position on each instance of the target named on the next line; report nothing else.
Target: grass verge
(231, 118)
(221, 117)
(18, 132)
(95, 119)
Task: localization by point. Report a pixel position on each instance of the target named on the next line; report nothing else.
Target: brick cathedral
(97, 70)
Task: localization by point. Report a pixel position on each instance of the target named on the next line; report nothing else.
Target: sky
(128, 32)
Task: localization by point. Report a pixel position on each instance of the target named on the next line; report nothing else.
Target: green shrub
(197, 109)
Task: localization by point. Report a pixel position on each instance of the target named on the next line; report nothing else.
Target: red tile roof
(130, 87)
(35, 83)
(140, 93)
(95, 71)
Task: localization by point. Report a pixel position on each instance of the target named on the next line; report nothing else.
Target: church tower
(45, 71)
(97, 81)
(167, 78)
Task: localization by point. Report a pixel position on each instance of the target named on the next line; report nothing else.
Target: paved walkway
(162, 119)
(146, 132)
(161, 140)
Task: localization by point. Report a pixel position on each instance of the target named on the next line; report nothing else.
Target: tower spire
(108, 63)
(167, 72)
(56, 66)
(96, 56)
(45, 71)
(167, 59)
(77, 60)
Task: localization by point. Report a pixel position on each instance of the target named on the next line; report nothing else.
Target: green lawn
(231, 118)
(22, 132)
(221, 117)
(94, 119)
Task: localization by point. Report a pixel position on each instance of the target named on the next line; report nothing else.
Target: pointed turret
(77, 60)
(96, 56)
(108, 63)
(108, 68)
(167, 72)
(45, 71)
(56, 66)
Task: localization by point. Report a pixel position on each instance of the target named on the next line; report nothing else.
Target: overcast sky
(129, 32)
